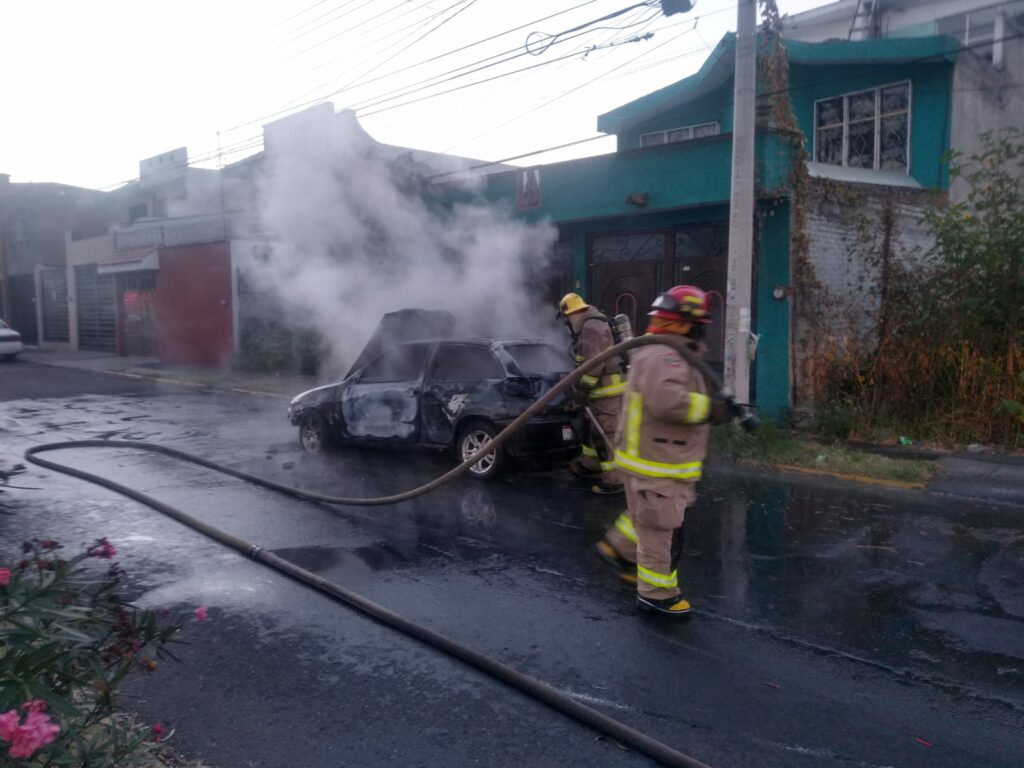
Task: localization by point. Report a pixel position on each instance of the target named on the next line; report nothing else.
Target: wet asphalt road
(835, 626)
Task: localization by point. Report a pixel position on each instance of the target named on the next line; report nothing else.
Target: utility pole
(741, 207)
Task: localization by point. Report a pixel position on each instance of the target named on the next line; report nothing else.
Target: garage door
(97, 318)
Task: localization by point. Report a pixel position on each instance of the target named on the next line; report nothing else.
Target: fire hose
(554, 698)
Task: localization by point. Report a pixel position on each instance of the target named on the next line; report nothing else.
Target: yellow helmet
(570, 304)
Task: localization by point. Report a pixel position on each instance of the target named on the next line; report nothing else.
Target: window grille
(867, 129)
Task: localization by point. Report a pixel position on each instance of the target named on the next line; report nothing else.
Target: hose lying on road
(559, 701)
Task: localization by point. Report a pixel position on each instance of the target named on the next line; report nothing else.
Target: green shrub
(67, 641)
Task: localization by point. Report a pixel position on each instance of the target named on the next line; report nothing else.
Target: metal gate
(97, 313)
(54, 285)
(628, 269)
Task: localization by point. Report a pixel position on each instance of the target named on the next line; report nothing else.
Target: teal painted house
(875, 114)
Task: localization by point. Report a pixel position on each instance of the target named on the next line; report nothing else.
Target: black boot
(672, 606)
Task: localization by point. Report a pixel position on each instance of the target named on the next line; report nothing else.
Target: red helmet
(684, 302)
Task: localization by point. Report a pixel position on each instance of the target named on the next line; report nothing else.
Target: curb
(864, 479)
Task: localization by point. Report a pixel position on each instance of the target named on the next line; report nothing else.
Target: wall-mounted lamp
(780, 292)
(637, 198)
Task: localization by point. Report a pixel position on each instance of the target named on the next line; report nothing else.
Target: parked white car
(10, 341)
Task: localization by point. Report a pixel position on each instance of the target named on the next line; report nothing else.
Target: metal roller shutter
(97, 316)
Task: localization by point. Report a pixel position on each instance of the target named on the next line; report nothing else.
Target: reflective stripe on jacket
(663, 430)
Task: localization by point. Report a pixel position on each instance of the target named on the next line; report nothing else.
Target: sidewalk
(240, 382)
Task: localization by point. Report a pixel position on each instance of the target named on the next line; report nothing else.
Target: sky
(89, 89)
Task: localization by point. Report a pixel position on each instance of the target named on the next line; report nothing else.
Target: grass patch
(770, 446)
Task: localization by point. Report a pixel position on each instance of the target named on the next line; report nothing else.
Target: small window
(402, 363)
(683, 133)
(137, 212)
(462, 362)
(652, 139)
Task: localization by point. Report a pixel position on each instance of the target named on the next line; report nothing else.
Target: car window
(402, 363)
(3, 324)
(460, 362)
(534, 359)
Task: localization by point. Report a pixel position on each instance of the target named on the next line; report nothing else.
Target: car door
(381, 401)
(463, 380)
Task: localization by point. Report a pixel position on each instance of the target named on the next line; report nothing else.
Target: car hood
(405, 325)
(315, 395)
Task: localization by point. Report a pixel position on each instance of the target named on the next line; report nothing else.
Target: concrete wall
(985, 98)
(87, 251)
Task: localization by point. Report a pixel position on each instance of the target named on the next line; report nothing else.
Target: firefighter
(601, 391)
(662, 439)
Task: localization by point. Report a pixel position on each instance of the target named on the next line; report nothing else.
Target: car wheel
(313, 433)
(473, 437)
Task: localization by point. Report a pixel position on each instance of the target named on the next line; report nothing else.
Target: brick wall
(846, 228)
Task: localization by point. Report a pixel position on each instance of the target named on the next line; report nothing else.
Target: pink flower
(158, 732)
(5, 576)
(201, 613)
(8, 724)
(104, 549)
(37, 730)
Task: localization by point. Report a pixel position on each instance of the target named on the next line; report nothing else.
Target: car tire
(471, 438)
(313, 436)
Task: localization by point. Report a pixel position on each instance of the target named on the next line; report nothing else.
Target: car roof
(478, 340)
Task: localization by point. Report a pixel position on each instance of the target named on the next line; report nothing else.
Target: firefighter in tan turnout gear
(602, 391)
(662, 440)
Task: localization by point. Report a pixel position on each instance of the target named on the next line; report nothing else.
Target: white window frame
(689, 128)
(878, 122)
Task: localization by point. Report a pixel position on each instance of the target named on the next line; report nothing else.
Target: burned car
(415, 385)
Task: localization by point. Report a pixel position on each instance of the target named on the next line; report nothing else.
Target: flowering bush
(67, 640)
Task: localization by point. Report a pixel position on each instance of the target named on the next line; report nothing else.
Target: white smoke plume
(363, 235)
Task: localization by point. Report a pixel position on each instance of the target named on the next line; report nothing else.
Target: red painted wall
(193, 305)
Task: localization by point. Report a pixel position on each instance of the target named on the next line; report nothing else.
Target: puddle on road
(899, 580)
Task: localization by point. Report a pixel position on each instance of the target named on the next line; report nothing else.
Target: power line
(475, 83)
(429, 32)
(593, 80)
(577, 49)
(418, 24)
(535, 109)
(290, 37)
(520, 157)
(349, 30)
(454, 74)
(427, 82)
(255, 141)
(427, 61)
(304, 10)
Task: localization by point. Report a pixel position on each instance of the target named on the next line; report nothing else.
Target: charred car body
(415, 385)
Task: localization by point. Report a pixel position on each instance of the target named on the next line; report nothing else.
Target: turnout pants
(650, 532)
